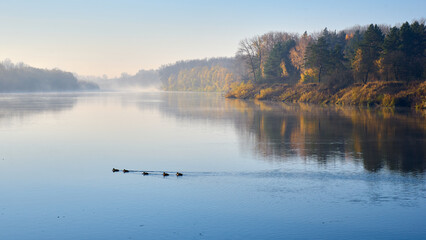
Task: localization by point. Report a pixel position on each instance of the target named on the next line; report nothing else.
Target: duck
(179, 174)
(115, 170)
(165, 174)
(124, 170)
(145, 173)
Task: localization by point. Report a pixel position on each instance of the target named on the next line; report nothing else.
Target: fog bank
(144, 80)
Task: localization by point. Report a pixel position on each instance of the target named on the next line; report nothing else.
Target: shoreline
(372, 94)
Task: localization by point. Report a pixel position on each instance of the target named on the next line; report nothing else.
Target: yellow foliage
(284, 72)
(243, 90)
(356, 64)
(264, 93)
(297, 54)
(309, 75)
(388, 101)
(380, 65)
(215, 78)
(349, 36)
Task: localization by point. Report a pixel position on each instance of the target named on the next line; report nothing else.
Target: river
(251, 170)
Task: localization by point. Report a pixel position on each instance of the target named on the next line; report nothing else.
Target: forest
(371, 65)
(208, 75)
(358, 54)
(362, 65)
(23, 78)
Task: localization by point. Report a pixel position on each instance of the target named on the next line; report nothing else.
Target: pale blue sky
(111, 37)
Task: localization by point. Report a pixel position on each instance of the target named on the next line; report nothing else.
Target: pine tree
(371, 46)
(318, 56)
(278, 65)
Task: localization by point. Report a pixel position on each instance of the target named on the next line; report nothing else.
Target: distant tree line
(22, 78)
(143, 79)
(215, 74)
(360, 54)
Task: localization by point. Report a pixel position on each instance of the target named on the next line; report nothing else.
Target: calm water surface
(252, 170)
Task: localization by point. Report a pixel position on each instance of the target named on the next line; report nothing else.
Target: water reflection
(377, 138)
(57, 165)
(22, 106)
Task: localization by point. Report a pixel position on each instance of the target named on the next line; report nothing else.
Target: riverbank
(384, 94)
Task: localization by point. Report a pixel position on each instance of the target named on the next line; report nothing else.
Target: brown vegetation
(385, 94)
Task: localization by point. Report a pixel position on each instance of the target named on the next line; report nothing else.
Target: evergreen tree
(413, 48)
(370, 47)
(318, 56)
(352, 44)
(392, 55)
(278, 66)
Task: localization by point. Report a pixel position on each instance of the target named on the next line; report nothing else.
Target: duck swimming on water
(145, 173)
(124, 170)
(115, 170)
(165, 174)
(179, 174)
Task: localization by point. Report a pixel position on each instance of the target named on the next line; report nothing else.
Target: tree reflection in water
(377, 138)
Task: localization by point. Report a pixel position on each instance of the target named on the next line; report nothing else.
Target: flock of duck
(144, 172)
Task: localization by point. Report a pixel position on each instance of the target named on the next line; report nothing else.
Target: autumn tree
(278, 65)
(297, 54)
(216, 74)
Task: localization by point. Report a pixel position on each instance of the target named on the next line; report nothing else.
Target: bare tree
(249, 51)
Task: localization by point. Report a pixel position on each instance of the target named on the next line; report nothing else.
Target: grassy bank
(386, 94)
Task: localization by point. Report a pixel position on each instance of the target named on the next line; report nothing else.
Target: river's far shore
(383, 94)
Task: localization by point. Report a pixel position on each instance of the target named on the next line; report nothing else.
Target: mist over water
(252, 170)
(142, 81)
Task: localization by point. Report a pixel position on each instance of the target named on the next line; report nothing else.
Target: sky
(111, 37)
